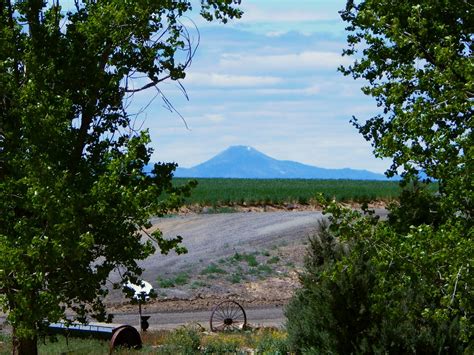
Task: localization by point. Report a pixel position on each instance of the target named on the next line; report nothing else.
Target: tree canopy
(403, 285)
(74, 197)
(416, 57)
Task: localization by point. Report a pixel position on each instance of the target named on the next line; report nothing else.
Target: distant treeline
(279, 191)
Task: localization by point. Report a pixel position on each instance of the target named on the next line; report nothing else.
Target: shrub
(325, 315)
(237, 257)
(264, 269)
(220, 345)
(212, 269)
(250, 259)
(273, 260)
(235, 278)
(271, 342)
(181, 279)
(198, 284)
(367, 288)
(182, 341)
(165, 283)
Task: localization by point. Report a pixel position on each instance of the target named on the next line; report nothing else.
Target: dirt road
(266, 316)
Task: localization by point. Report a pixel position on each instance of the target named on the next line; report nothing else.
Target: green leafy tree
(405, 286)
(416, 57)
(417, 60)
(73, 193)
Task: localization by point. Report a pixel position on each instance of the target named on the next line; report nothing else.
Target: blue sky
(270, 81)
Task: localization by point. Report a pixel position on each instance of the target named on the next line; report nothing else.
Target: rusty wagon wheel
(228, 316)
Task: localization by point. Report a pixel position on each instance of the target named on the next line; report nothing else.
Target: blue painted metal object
(118, 334)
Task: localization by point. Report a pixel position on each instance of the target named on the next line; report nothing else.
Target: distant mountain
(247, 162)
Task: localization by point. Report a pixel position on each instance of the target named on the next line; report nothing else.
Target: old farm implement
(228, 316)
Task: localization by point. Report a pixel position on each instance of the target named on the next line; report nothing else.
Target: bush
(327, 313)
(212, 269)
(250, 259)
(235, 278)
(273, 260)
(271, 342)
(182, 341)
(368, 288)
(165, 283)
(181, 279)
(220, 345)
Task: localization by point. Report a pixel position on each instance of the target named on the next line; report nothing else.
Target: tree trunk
(24, 346)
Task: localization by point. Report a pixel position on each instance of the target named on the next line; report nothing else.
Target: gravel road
(266, 316)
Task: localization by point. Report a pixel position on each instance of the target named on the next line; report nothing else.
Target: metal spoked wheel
(228, 316)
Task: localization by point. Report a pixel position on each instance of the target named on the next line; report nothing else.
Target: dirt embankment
(284, 207)
(249, 256)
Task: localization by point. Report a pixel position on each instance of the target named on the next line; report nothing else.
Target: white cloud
(308, 60)
(308, 91)
(226, 80)
(275, 33)
(214, 117)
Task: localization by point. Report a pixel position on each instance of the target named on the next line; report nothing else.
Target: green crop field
(278, 191)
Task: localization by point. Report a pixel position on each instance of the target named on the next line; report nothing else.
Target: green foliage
(198, 283)
(405, 285)
(237, 257)
(264, 269)
(74, 345)
(273, 260)
(327, 313)
(182, 341)
(250, 259)
(189, 339)
(368, 288)
(235, 278)
(271, 342)
(212, 269)
(417, 59)
(219, 209)
(165, 283)
(261, 341)
(73, 194)
(215, 192)
(223, 345)
(416, 206)
(180, 279)
(61, 345)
